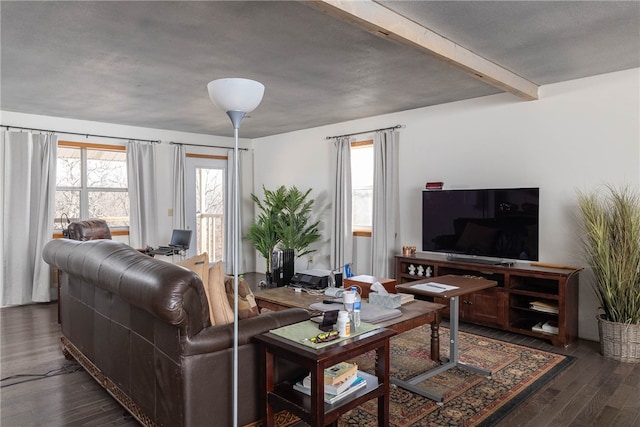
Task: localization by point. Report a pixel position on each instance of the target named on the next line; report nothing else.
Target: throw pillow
(247, 306)
(199, 264)
(219, 310)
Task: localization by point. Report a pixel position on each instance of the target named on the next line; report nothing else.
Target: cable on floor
(68, 368)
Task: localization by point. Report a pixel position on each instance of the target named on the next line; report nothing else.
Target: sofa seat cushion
(247, 306)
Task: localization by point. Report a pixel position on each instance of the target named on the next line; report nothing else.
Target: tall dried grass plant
(611, 240)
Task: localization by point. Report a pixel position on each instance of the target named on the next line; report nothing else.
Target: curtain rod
(206, 146)
(366, 131)
(156, 141)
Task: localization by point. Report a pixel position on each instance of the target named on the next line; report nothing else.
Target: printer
(314, 279)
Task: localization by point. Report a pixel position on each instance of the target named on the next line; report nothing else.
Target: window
(91, 182)
(206, 187)
(362, 186)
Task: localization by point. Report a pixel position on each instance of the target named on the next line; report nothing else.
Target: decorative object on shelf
(434, 185)
(412, 269)
(408, 250)
(611, 242)
(420, 270)
(428, 271)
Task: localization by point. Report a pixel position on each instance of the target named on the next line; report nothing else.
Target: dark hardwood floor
(593, 391)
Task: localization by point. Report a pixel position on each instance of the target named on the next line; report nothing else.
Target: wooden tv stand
(507, 306)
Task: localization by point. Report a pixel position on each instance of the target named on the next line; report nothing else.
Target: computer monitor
(181, 239)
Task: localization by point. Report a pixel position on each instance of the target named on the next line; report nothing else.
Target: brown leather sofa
(141, 327)
(90, 229)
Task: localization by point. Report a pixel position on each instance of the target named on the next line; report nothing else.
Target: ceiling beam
(385, 23)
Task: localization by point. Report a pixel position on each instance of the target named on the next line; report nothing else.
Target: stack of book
(545, 307)
(340, 381)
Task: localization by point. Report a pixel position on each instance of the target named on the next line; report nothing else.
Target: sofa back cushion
(219, 309)
(90, 229)
(247, 306)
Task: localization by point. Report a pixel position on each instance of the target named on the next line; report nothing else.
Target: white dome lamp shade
(236, 97)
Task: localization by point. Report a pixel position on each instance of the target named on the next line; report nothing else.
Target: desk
(415, 313)
(464, 286)
(312, 409)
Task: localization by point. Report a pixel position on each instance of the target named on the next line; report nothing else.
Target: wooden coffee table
(415, 313)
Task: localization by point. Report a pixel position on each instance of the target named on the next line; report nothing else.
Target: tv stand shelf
(525, 296)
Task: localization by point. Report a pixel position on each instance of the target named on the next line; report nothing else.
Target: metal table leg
(411, 384)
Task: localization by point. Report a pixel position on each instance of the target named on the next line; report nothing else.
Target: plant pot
(619, 341)
(268, 277)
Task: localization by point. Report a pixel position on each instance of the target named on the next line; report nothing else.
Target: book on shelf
(333, 389)
(544, 307)
(550, 327)
(546, 327)
(339, 372)
(358, 384)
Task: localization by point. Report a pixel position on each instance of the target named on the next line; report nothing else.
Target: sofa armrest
(220, 337)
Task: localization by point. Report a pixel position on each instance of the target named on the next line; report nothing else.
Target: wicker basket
(619, 341)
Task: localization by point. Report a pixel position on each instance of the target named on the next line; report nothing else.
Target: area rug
(469, 399)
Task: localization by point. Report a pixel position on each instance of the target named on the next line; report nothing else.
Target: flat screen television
(492, 223)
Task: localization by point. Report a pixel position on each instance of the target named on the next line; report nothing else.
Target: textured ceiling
(148, 63)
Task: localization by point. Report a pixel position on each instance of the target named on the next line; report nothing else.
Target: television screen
(499, 223)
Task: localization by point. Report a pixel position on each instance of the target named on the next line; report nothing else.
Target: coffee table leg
(382, 372)
(268, 415)
(435, 339)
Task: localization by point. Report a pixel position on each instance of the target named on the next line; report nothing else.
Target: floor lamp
(236, 97)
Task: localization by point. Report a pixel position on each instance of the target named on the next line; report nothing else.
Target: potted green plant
(263, 231)
(293, 227)
(283, 220)
(611, 241)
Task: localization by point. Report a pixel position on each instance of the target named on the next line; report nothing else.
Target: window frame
(84, 189)
(361, 231)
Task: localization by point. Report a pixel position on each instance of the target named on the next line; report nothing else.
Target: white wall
(580, 134)
(164, 159)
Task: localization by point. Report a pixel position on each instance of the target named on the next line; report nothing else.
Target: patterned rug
(469, 399)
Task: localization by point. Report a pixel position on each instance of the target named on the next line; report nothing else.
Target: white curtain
(143, 196)
(229, 214)
(384, 229)
(179, 187)
(341, 220)
(28, 207)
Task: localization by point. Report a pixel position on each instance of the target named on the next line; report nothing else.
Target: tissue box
(388, 301)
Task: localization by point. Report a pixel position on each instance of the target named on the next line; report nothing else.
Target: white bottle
(357, 302)
(344, 328)
(349, 298)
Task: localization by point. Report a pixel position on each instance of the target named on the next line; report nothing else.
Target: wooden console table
(312, 409)
(508, 305)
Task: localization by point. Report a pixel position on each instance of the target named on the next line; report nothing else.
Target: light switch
(170, 212)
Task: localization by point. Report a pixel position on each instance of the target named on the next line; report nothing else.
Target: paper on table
(434, 287)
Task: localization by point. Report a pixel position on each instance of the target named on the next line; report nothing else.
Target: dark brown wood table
(451, 287)
(312, 409)
(415, 313)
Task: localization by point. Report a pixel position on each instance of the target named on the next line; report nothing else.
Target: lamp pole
(236, 97)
